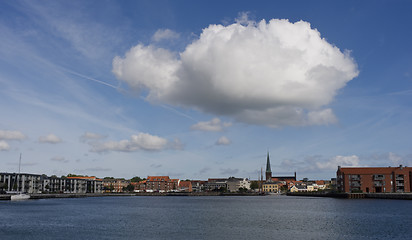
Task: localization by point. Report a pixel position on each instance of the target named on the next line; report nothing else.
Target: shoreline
(84, 195)
(398, 196)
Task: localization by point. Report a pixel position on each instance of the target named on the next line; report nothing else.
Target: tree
(242, 190)
(129, 188)
(254, 185)
(74, 175)
(136, 179)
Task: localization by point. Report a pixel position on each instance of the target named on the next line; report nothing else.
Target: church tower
(268, 170)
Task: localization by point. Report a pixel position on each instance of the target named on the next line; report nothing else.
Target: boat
(19, 195)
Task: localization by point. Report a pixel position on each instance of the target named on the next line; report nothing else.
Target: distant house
(214, 184)
(198, 185)
(231, 184)
(271, 187)
(185, 186)
(115, 185)
(160, 184)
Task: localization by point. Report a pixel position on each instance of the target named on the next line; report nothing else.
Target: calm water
(272, 217)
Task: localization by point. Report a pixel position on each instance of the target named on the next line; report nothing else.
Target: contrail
(178, 112)
(92, 79)
(124, 91)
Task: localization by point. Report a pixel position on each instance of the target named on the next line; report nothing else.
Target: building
(21, 182)
(230, 184)
(198, 185)
(159, 184)
(270, 178)
(271, 187)
(235, 184)
(185, 186)
(35, 183)
(216, 184)
(374, 179)
(115, 185)
(85, 184)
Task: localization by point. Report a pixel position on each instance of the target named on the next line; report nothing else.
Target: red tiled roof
(158, 178)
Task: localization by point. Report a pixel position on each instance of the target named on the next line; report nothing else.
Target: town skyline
(197, 90)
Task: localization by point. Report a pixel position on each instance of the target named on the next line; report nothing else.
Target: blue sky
(204, 89)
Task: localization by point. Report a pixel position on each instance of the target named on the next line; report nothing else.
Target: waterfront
(214, 217)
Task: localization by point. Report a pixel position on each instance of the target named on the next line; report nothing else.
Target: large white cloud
(272, 73)
(11, 135)
(141, 141)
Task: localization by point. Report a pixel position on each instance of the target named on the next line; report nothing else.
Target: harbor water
(206, 217)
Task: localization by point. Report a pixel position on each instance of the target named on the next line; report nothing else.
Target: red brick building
(159, 184)
(374, 179)
(115, 184)
(185, 186)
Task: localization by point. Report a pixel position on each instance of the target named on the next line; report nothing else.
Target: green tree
(129, 188)
(254, 185)
(137, 179)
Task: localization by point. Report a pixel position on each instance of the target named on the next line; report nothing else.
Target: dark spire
(268, 170)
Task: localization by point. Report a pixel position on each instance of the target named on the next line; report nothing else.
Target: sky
(204, 89)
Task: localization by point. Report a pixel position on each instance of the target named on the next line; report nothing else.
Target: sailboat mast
(19, 163)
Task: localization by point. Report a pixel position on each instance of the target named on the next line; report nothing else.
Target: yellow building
(270, 187)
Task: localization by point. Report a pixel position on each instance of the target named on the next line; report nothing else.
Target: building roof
(372, 170)
(158, 178)
(86, 178)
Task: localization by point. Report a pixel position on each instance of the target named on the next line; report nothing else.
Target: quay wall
(403, 196)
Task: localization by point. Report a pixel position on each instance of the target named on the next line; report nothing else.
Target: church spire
(268, 170)
(268, 164)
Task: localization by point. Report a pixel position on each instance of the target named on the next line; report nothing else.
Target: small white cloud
(164, 34)
(11, 135)
(333, 163)
(395, 158)
(59, 159)
(51, 138)
(141, 141)
(4, 146)
(156, 165)
(214, 125)
(223, 141)
(228, 171)
(91, 136)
